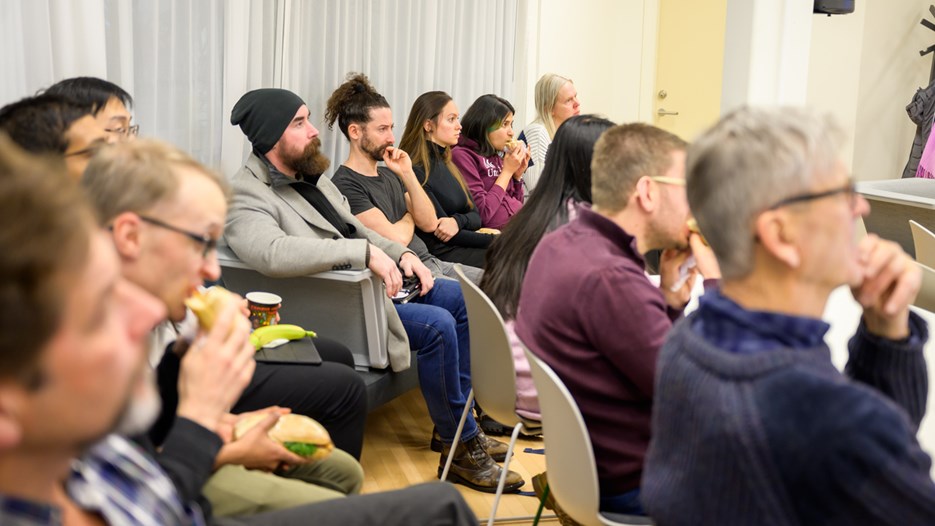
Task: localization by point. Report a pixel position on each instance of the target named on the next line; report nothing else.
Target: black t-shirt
(385, 192)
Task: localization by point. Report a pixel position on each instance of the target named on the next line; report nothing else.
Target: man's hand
(398, 161)
(216, 368)
(410, 263)
(384, 266)
(446, 229)
(889, 282)
(256, 450)
(675, 282)
(225, 428)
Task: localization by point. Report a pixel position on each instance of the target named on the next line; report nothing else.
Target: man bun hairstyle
(352, 101)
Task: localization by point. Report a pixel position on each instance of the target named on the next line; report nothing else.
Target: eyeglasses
(849, 189)
(667, 180)
(130, 131)
(208, 243)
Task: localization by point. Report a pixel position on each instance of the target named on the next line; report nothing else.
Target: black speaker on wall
(834, 7)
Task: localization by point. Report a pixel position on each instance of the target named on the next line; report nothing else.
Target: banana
(264, 335)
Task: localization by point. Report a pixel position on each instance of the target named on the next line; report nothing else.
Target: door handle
(662, 112)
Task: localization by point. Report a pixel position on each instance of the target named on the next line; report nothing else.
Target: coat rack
(930, 49)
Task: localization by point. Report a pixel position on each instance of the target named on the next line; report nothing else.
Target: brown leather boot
(495, 448)
(539, 483)
(474, 468)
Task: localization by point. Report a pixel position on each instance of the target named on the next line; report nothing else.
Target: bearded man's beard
(311, 162)
(375, 152)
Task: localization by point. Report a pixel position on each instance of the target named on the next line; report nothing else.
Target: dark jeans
(438, 331)
(628, 503)
(433, 504)
(331, 393)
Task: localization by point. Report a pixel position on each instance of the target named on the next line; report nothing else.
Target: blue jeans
(437, 327)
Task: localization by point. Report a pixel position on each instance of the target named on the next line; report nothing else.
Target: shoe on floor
(473, 467)
(495, 448)
(489, 425)
(539, 483)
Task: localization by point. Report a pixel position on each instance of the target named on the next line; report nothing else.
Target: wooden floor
(396, 454)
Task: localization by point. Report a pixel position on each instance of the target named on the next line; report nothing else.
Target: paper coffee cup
(263, 308)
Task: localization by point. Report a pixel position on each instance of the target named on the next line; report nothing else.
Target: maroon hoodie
(494, 205)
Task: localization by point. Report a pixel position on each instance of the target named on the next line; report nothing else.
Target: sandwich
(511, 145)
(297, 433)
(207, 304)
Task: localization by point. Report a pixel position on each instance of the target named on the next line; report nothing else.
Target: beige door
(689, 65)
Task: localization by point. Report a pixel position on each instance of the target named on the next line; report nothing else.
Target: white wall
(834, 70)
(596, 43)
(890, 72)
(766, 52)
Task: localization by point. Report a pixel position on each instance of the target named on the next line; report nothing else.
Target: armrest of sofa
(344, 305)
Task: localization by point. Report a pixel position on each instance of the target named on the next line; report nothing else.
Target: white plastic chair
(926, 298)
(924, 241)
(493, 377)
(570, 463)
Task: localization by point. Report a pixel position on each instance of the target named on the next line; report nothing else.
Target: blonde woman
(556, 101)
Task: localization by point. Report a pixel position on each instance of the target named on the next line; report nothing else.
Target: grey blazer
(278, 233)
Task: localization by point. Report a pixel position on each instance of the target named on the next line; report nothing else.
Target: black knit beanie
(263, 114)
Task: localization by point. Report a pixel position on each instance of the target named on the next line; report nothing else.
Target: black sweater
(449, 200)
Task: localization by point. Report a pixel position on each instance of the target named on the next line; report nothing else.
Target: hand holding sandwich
(255, 449)
(219, 363)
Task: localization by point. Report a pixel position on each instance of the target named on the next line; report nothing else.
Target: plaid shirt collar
(125, 485)
(729, 326)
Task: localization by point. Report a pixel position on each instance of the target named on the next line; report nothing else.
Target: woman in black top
(431, 130)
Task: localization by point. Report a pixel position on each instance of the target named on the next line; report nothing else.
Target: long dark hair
(485, 115)
(567, 175)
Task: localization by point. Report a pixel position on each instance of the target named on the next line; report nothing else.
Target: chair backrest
(570, 459)
(493, 375)
(924, 241)
(926, 298)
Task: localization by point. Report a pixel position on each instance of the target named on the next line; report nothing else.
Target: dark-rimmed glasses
(207, 242)
(849, 189)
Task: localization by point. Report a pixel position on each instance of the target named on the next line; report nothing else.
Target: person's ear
(776, 236)
(11, 401)
(354, 131)
(428, 126)
(646, 195)
(126, 231)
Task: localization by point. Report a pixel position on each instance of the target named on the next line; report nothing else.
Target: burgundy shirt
(588, 310)
(494, 204)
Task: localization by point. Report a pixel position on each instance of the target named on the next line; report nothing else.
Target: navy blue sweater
(782, 437)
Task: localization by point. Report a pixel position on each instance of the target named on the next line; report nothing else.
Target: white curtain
(405, 47)
(187, 62)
